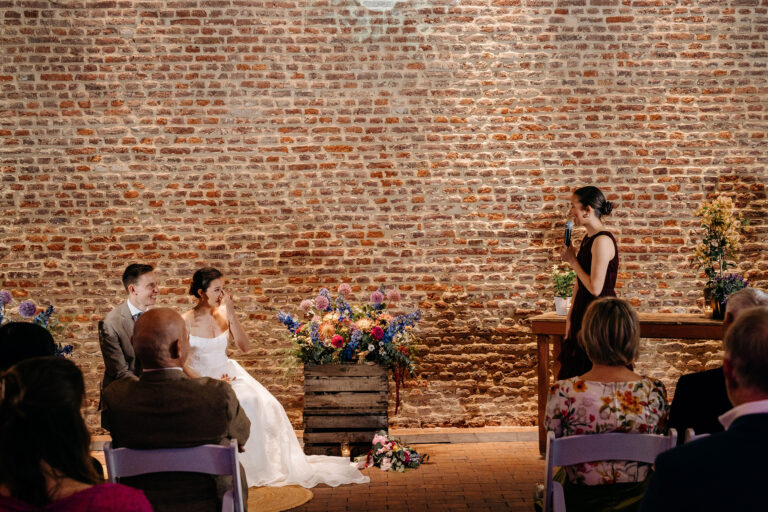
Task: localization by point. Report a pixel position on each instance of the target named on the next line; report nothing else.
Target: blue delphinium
(289, 322)
(43, 317)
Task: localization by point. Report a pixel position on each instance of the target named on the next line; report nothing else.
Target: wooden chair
(567, 451)
(212, 459)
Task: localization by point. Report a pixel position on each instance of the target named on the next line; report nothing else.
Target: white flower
(386, 464)
(371, 348)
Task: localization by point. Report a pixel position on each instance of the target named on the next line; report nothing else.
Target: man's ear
(173, 349)
(730, 377)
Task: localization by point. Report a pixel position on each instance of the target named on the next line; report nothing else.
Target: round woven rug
(276, 499)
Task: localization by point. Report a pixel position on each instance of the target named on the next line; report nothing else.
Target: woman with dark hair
(24, 340)
(44, 444)
(273, 455)
(596, 265)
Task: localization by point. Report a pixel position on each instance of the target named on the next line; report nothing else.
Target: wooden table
(550, 328)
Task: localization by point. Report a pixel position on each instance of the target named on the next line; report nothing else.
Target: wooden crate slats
(345, 422)
(344, 403)
(317, 384)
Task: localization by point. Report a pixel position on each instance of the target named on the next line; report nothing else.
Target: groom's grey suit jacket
(115, 339)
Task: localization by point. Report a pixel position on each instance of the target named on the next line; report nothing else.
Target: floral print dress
(576, 406)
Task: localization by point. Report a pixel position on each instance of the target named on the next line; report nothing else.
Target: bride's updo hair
(594, 198)
(201, 280)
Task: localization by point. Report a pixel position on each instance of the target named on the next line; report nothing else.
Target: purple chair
(690, 435)
(212, 459)
(567, 451)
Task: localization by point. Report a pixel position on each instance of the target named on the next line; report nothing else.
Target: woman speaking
(596, 266)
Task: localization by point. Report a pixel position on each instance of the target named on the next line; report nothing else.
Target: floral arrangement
(725, 285)
(563, 282)
(28, 311)
(335, 332)
(722, 228)
(390, 454)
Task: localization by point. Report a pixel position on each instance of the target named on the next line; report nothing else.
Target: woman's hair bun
(608, 208)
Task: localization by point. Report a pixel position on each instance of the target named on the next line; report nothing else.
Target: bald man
(166, 409)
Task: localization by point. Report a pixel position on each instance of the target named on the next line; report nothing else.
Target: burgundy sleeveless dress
(573, 359)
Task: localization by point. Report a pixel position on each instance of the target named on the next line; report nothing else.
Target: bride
(272, 456)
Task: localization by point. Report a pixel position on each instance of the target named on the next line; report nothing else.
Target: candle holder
(345, 451)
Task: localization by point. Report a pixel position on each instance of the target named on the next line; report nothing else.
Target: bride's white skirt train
(273, 455)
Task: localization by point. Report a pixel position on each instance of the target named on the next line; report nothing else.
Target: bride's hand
(229, 306)
(226, 378)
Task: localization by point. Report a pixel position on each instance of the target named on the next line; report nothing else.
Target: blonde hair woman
(607, 398)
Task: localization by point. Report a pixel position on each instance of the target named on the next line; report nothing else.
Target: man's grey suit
(120, 360)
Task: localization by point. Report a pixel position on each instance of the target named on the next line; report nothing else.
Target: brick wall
(425, 145)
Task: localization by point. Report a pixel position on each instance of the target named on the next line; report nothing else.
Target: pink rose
(377, 332)
(337, 341)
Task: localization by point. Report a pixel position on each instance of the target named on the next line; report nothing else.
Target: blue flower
(44, 316)
(289, 322)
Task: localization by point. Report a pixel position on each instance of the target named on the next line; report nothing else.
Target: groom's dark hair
(201, 280)
(133, 272)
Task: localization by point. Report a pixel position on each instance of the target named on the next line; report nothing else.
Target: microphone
(568, 229)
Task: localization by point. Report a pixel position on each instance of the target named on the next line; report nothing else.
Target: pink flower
(337, 341)
(393, 295)
(377, 298)
(377, 332)
(305, 305)
(345, 289)
(321, 302)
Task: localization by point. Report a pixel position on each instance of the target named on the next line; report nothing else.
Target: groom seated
(166, 409)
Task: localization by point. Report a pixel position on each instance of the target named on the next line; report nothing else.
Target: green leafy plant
(563, 282)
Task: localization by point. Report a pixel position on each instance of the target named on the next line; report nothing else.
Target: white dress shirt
(757, 407)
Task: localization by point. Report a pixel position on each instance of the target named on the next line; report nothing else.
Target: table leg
(542, 345)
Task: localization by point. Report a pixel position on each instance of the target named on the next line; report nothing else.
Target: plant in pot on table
(563, 282)
(722, 227)
(722, 287)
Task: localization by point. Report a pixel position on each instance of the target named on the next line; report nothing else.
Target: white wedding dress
(273, 456)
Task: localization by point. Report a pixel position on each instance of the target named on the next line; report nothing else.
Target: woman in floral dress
(608, 398)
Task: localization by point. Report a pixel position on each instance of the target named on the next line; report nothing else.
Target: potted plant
(722, 287)
(29, 312)
(563, 282)
(722, 227)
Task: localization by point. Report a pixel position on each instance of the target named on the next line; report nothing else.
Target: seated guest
(608, 398)
(22, 340)
(725, 471)
(700, 398)
(166, 409)
(44, 444)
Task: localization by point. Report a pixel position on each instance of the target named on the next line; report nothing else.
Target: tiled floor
(487, 469)
(464, 475)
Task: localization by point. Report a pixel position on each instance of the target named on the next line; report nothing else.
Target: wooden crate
(343, 401)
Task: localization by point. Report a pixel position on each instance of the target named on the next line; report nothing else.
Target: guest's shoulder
(114, 315)
(119, 387)
(212, 385)
(128, 498)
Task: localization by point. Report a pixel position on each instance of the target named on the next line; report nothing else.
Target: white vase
(562, 304)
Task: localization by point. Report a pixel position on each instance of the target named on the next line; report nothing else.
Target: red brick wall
(430, 147)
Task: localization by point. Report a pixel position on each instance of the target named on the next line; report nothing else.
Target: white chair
(212, 459)
(690, 435)
(566, 451)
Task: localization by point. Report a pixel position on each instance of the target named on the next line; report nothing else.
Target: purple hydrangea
(322, 302)
(393, 295)
(5, 297)
(305, 305)
(377, 298)
(345, 289)
(27, 309)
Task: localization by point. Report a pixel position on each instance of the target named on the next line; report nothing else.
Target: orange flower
(580, 386)
(327, 330)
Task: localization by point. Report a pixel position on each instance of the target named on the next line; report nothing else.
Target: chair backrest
(566, 451)
(690, 435)
(212, 459)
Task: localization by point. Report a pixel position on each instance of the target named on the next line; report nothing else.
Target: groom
(117, 329)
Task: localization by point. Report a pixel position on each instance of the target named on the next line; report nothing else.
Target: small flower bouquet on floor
(28, 311)
(390, 454)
